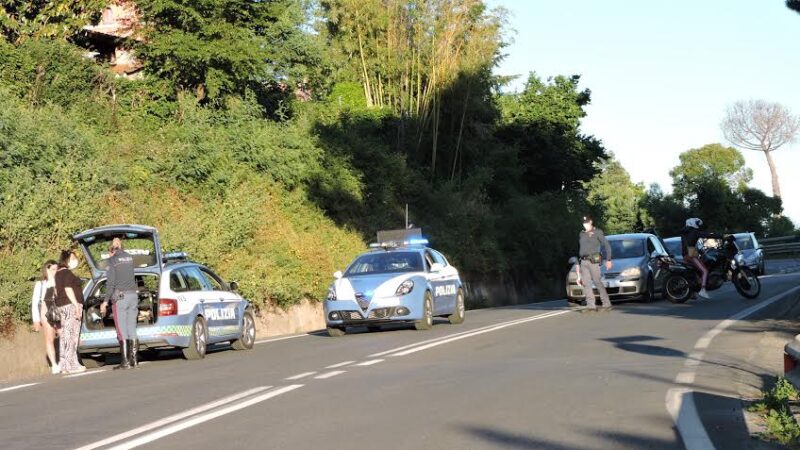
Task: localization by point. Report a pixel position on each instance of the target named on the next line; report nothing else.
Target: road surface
(534, 376)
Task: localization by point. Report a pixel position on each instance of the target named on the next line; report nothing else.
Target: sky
(663, 73)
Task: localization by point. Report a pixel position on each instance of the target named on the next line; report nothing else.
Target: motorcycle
(724, 263)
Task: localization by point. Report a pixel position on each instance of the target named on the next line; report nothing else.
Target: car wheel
(92, 362)
(426, 323)
(198, 342)
(650, 293)
(336, 331)
(461, 310)
(248, 333)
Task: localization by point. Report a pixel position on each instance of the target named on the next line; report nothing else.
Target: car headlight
(331, 294)
(405, 287)
(631, 272)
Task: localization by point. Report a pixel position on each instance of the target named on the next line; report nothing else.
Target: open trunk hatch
(139, 241)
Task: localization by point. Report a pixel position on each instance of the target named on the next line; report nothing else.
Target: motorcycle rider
(690, 234)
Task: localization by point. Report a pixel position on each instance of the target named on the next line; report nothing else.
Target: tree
(712, 162)
(793, 4)
(618, 198)
(761, 126)
(23, 19)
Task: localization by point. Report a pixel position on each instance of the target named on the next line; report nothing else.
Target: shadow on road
(634, 344)
(496, 438)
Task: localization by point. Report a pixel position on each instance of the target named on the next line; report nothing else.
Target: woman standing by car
(43, 295)
(69, 300)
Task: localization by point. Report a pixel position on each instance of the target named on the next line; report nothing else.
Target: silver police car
(182, 304)
(395, 282)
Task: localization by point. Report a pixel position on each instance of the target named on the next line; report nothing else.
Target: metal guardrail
(781, 246)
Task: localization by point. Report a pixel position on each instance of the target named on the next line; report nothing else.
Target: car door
(449, 280)
(437, 280)
(221, 307)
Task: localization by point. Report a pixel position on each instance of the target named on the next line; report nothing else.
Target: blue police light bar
(176, 256)
(418, 241)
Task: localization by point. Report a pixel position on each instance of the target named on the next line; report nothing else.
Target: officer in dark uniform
(121, 293)
(591, 240)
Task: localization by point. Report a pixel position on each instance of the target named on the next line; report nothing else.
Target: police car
(182, 304)
(396, 281)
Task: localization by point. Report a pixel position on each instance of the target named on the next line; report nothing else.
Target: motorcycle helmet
(694, 222)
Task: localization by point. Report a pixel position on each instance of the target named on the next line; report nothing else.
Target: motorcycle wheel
(677, 289)
(747, 283)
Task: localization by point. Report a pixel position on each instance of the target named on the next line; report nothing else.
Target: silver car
(751, 250)
(636, 272)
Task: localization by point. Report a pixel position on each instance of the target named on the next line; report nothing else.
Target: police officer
(121, 293)
(591, 240)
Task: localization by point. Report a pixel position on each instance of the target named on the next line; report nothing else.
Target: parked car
(673, 246)
(636, 271)
(182, 304)
(395, 282)
(752, 252)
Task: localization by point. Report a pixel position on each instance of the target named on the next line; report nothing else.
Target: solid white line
(83, 374)
(331, 374)
(173, 418)
(282, 338)
(341, 364)
(476, 333)
(370, 362)
(204, 418)
(301, 375)
(510, 322)
(680, 401)
(19, 386)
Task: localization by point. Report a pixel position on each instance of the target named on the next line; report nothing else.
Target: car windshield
(385, 262)
(674, 247)
(744, 242)
(626, 248)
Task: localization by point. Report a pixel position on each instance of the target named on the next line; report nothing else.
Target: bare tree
(761, 126)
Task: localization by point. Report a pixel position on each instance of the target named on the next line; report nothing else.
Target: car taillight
(167, 307)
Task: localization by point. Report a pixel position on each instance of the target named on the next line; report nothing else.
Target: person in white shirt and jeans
(43, 292)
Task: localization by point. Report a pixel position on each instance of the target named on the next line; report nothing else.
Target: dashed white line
(300, 375)
(173, 418)
(83, 374)
(341, 364)
(19, 386)
(282, 338)
(204, 418)
(330, 374)
(370, 362)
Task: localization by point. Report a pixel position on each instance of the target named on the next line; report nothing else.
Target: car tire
(248, 338)
(650, 293)
(461, 310)
(92, 362)
(336, 331)
(426, 323)
(198, 341)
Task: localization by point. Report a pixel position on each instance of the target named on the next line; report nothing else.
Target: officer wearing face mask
(591, 240)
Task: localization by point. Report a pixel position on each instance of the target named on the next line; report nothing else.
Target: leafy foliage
(617, 198)
(24, 19)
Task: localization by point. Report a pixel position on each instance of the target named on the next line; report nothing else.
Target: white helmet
(694, 222)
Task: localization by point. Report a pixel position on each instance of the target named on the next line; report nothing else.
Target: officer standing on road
(121, 293)
(591, 240)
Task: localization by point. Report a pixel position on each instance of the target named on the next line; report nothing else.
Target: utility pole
(406, 216)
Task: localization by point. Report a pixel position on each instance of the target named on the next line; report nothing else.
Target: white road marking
(282, 338)
(461, 333)
(341, 364)
(370, 362)
(476, 333)
(19, 386)
(172, 429)
(680, 401)
(300, 375)
(83, 374)
(173, 418)
(331, 374)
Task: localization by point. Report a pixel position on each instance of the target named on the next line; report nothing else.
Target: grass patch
(776, 411)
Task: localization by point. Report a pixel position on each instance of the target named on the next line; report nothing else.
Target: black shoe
(124, 353)
(134, 352)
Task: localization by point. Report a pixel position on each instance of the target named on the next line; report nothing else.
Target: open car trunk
(148, 303)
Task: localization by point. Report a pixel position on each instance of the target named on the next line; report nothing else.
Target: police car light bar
(393, 244)
(176, 256)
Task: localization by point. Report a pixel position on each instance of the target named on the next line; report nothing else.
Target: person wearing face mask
(69, 301)
(590, 242)
(121, 293)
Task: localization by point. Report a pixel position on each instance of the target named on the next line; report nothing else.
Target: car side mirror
(572, 261)
(337, 275)
(437, 267)
(234, 286)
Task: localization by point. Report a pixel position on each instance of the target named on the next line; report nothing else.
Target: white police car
(395, 282)
(182, 304)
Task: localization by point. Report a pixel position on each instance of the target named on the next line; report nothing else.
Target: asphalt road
(535, 376)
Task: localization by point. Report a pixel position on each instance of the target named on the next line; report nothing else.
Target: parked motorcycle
(724, 263)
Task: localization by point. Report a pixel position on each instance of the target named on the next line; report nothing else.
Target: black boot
(133, 351)
(124, 353)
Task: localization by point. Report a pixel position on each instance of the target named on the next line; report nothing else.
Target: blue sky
(662, 73)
